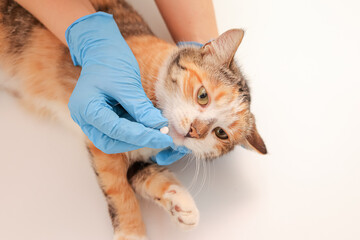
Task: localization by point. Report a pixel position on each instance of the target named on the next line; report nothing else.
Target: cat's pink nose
(192, 132)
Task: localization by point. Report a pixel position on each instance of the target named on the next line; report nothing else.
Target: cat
(201, 91)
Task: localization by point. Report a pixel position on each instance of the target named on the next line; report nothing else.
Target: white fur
(8, 83)
(58, 111)
(142, 154)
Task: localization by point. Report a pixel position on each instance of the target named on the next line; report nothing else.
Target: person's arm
(189, 20)
(57, 15)
(108, 102)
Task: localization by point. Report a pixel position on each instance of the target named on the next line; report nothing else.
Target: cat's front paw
(181, 206)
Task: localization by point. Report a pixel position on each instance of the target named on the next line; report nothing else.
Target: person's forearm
(189, 20)
(58, 15)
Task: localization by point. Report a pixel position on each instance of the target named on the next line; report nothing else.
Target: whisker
(187, 156)
(203, 178)
(210, 164)
(194, 180)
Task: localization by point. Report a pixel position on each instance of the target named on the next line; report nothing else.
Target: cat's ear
(255, 142)
(224, 47)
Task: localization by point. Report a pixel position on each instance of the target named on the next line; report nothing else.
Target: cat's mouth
(178, 138)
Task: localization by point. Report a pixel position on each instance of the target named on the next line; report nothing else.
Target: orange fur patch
(150, 60)
(40, 70)
(220, 95)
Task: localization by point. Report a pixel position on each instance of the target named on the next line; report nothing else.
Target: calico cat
(201, 91)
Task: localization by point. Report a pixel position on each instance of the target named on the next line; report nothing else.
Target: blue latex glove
(170, 155)
(197, 44)
(108, 102)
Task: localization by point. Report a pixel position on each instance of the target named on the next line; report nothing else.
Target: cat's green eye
(202, 96)
(220, 133)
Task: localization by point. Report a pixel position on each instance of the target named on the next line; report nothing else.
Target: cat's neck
(151, 54)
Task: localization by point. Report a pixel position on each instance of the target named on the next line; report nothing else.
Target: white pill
(164, 130)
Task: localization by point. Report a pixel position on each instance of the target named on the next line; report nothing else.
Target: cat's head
(206, 99)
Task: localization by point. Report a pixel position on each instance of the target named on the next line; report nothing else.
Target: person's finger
(105, 143)
(168, 156)
(150, 116)
(138, 105)
(101, 116)
(121, 112)
(181, 149)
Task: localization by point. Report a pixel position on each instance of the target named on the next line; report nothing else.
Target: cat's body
(42, 76)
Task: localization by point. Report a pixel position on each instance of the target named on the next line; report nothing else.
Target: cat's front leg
(160, 185)
(124, 209)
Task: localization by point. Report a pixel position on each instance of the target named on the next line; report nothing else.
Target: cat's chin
(178, 138)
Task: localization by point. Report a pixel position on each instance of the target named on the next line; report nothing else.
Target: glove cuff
(86, 30)
(191, 43)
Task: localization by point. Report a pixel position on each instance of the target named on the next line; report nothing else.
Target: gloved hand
(170, 155)
(108, 102)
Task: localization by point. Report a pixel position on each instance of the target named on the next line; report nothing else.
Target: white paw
(181, 206)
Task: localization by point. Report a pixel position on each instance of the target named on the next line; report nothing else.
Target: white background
(302, 60)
